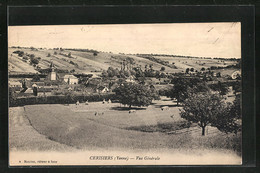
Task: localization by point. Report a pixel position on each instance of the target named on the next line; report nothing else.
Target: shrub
(21, 54)
(162, 68)
(34, 61)
(60, 99)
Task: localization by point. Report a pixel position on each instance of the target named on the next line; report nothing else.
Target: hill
(83, 61)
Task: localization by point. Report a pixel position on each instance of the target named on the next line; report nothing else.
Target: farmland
(86, 62)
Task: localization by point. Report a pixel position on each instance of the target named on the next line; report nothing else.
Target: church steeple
(52, 67)
(53, 73)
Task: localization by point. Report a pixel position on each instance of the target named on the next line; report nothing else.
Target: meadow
(62, 127)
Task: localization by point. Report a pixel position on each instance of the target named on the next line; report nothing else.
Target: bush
(162, 68)
(60, 99)
(34, 61)
(21, 54)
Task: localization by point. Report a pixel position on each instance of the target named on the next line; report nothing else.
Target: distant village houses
(102, 89)
(70, 79)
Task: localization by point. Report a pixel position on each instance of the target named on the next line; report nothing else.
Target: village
(54, 81)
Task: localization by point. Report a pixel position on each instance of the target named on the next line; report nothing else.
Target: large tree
(181, 86)
(230, 120)
(203, 108)
(220, 87)
(135, 94)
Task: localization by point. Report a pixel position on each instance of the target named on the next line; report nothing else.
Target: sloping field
(22, 136)
(61, 124)
(86, 62)
(73, 129)
(15, 64)
(196, 63)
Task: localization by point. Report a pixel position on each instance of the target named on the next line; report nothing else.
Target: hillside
(86, 62)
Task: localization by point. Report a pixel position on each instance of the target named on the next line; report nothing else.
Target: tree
(135, 94)
(34, 61)
(236, 86)
(202, 108)
(163, 75)
(48, 55)
(21, 54)
(162, 68)
(187, 70)
(220, 87)
(181, 85)
(31, 55)
(104, 74)
(202, 69)
(55, 53)
(69, 54)
(192, 69)
(36, 78)
(230, 120)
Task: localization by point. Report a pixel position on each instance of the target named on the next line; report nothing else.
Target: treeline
(33, 60)
(136, 72)
(166, 63)
(60, 99)
(28, 75)
(185, 56)
(84, 50)
(238, 66)
(48, 70)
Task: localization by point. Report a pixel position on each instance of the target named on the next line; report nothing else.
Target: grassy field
(77, 127)
(196, 63)
(23, 137)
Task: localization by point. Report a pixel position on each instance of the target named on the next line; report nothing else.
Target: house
(102, 89)
(70, 79)
(130, 79)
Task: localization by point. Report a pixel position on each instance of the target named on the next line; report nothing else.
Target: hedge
(60, 99)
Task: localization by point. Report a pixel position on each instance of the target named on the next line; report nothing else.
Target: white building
(53, 73)
(70, 79)
(102, 89)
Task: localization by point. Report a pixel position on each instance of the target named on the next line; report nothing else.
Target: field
(76, 127)
(86, 62)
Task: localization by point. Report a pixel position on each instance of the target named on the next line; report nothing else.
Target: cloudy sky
(194, 39)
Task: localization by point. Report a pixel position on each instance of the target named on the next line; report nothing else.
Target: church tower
(53, 73)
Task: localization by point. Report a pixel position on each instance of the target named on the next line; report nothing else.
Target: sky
(190, 39)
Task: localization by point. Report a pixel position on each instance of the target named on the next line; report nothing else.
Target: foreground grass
(22, 136)
(59, 123)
